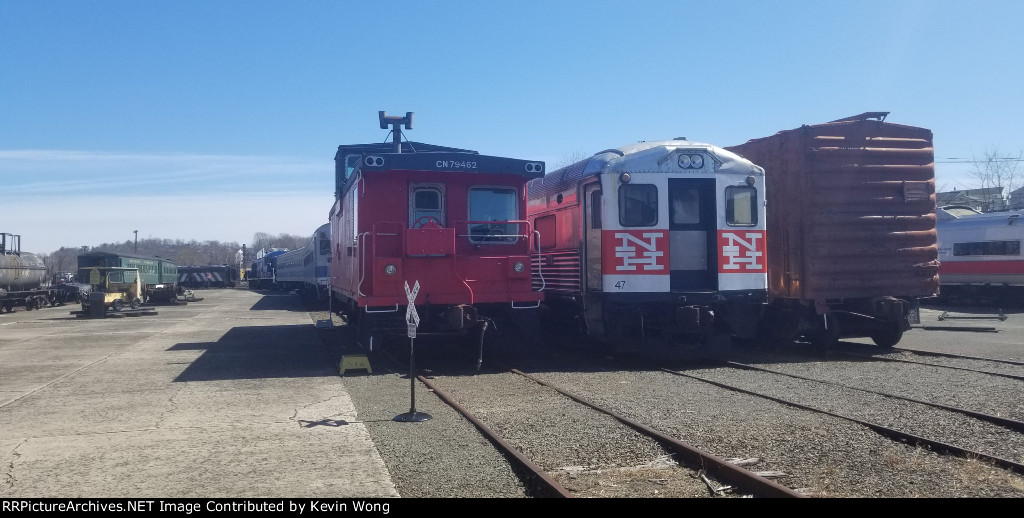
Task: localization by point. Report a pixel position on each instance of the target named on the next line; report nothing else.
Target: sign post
(412, 321)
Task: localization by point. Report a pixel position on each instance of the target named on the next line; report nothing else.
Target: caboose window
(426, 204)
(493, 204)
(638, 205)
(741, 206)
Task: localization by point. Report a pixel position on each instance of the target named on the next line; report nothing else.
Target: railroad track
(926, 466)
(1012, 424)
(1003, 440)
(706, 467)
(960, 356)
(1014, 376)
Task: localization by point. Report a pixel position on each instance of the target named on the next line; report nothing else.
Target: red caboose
(450, 219)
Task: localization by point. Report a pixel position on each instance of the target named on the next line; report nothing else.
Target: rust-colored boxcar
(851, 233)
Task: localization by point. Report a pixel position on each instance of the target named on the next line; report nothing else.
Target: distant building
(989, 199)
(1016, 201)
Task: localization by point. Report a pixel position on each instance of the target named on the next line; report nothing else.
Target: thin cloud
(47, 172)
(69, 221)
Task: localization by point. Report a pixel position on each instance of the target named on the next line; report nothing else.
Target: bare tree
(569, 159)
(261, 240)
(993, 170)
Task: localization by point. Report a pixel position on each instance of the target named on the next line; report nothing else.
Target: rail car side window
(487, 207)
(741, 206)
(595, 209)
(987, 248)
(350, 164)
(426, 204)
(638, 205)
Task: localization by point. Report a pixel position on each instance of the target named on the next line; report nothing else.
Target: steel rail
(716, 466)
(545, 482)
(884, 359)
(883, 430)
(1002, 421)
(951, 355)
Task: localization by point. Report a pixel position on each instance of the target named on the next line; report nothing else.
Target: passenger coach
(653, 241)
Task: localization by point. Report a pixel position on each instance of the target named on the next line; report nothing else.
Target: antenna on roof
(396, 126)
(864, 116)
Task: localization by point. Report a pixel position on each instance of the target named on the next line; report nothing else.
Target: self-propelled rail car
(306, 269)
(449, 220)
(656, 242)
(980, 256)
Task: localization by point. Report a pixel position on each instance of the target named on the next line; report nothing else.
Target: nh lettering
(741, 252)
(627, 251)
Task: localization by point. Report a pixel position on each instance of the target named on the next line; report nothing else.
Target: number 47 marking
(620, 285)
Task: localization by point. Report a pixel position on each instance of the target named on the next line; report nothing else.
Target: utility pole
(136, 241)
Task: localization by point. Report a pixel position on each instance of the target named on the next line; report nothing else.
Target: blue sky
(213, 120)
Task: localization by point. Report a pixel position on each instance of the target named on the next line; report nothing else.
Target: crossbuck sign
(412, 318)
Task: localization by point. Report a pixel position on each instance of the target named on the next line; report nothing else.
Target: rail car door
(693, 262)
(592, 235)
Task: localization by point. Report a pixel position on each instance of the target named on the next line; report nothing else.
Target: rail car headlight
(696, 161)
(518, 267)
(624, 177)
(751, 180)
(390, 269)
(684, 161)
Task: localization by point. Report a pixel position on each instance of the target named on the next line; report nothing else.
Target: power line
(956, 160)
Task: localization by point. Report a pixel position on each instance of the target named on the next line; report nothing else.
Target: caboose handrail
(479, 237)
(362, 262)
(540, 260)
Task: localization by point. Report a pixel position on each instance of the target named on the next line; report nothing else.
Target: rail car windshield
(493, 204)
(638, 205)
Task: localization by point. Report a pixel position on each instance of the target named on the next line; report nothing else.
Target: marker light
(390, 269)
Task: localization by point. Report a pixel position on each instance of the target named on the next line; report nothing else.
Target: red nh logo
(741, 251)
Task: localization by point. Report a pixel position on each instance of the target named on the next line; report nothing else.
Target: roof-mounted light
(686, 161)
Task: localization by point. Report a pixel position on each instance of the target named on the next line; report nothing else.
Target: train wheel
(136, 303)
(118, 305)
(888, 335)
